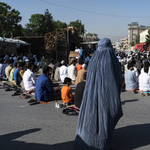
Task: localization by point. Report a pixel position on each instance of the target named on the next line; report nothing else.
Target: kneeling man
(44, 89)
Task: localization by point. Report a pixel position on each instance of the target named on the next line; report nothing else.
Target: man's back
(79, 94)
(144, 82)
(80, 75)
(3, 70)
(44, 88)
(131, 80)
(63, 72)
(71, 72)
(29, 80)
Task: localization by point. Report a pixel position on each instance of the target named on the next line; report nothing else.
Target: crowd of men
(20, 70)
(135, 71)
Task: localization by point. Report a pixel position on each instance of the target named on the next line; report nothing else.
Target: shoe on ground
(142, 94)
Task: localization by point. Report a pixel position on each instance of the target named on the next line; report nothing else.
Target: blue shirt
(87, 59)
(3, 70)
(44, 88)
(131, 80)
(15, 74)
(81, 52)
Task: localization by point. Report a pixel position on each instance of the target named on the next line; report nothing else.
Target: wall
(143, 36)
(7, 47)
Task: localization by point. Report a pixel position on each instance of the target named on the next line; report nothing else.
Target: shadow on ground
(132, 137)
(127, 101)
(9, 142)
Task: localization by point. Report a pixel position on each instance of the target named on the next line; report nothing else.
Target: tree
(78, 24)
(137, 39)
(48, 21)
(37, 24)
(40, 24)
(132, 43)
(26, 32)
(58, 24)
(148, 37)
(9, 19)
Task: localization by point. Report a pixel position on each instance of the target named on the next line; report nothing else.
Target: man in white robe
(29, 79)
(72, 70)
(63, 71)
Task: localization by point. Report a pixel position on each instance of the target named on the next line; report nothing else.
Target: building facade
(133, 30)
(124, 43)
(143, 36)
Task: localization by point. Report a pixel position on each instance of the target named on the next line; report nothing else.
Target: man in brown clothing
(80, 76)
(139, 66)
(8, 68)
(52, 62)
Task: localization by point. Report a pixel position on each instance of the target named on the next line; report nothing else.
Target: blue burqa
(101, 106)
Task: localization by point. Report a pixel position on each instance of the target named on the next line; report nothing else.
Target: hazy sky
(113, 25)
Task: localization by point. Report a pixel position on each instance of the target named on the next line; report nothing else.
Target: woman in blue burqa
(101, 105)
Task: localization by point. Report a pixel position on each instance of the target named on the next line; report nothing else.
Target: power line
(103, 14)
(112, 35)
(109, 35)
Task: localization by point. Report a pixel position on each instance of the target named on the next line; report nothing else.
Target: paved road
(44, 127)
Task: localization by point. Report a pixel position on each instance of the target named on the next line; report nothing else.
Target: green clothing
(11, 78)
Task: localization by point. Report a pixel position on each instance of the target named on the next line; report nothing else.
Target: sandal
(34, 103)
(14, 88)
(142, 94)
(32, 100)
(6, 85)
(24, 96)
(135, 91)
(15, 94)
(19, 91)
(8, 89)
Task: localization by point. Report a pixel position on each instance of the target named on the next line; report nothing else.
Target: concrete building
(143, 36)
(124, 43)
(133, 30)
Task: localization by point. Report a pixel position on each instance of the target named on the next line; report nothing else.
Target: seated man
(63, 70)
(72, 70)
(29, 79)
(20, 76)
(57, 72)
(11, 78)
(80, 76)
(79, 67)
(79, 92)
(8, 68)
(144, 80)
(44, 89)
(131, 80)
(3, 75)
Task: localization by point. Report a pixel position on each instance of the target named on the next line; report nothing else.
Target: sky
(107, 18)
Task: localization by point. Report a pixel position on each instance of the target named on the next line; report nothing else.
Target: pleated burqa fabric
(101, 105)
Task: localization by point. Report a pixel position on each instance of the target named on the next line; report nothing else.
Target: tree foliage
(58, 24)
(48, 21)
(148, 37)
(36, 24)
(41, 24)
(132, 43)
(9, 19)
(137, 39)
(78, 24)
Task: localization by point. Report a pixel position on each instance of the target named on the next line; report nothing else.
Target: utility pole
(67, 43)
